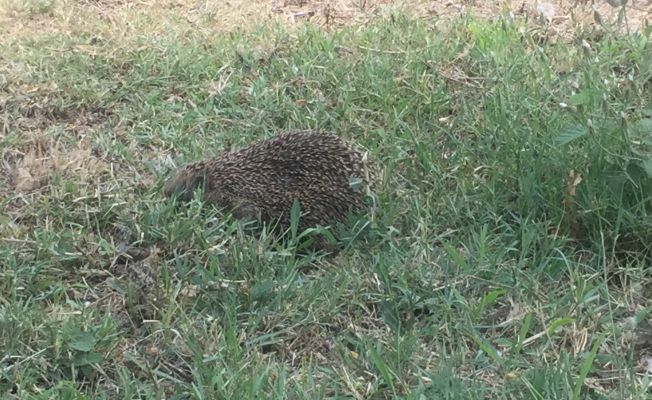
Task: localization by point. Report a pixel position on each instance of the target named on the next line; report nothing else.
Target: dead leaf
(153, 351)
(546, 10)
(572, 181)
(24, 180)
(512, 375)
(216, 88)
(189, 291)
(30, 173)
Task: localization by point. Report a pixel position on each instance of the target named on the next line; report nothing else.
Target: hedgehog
(325, 174)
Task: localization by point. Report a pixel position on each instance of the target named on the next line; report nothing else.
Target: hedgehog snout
(182, 185)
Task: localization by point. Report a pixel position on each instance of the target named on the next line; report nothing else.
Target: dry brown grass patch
(128, 18)
(30, 165)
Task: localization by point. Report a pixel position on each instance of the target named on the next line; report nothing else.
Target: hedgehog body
(262, 181)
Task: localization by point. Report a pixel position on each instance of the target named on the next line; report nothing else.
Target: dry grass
(41, 17)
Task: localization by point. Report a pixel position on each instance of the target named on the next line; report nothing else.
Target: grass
(508, 257)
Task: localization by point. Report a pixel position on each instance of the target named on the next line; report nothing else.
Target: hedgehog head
(184, 183)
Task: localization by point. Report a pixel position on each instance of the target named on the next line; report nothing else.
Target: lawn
(507, 256)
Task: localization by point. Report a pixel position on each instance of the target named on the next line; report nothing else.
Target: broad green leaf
(81, 359)
(647, 166)
(583, 98)
(390, 315)
(83, 341)
(573, 133)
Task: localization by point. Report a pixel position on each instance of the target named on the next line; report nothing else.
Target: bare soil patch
(30, 164)
(122, 16)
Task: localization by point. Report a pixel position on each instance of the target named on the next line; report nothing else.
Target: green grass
(473, 281)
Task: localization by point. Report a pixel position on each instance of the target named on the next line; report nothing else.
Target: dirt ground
(562, 15)
(19, 17)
